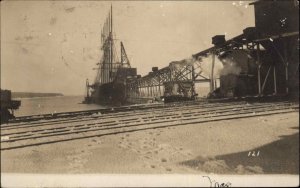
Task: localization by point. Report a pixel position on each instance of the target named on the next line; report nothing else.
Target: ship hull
(109, 94)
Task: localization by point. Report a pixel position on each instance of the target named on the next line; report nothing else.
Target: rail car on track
(8, 106)
(178, 91)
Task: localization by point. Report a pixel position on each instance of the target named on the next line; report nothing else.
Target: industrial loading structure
(262, 61)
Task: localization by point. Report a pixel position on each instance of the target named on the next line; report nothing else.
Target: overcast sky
(52, 46)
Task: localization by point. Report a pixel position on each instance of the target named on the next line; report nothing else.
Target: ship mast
(111, 45)
(106, 65)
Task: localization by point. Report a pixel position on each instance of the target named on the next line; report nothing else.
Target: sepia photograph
(98, 93)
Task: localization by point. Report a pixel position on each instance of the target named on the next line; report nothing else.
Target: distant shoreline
(34, 95)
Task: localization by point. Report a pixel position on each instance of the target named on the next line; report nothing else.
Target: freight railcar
(7, 106)
(178, 91)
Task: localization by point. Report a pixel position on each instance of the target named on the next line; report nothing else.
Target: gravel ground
(258, 145)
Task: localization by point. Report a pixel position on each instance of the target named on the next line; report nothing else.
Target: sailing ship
(109, 86)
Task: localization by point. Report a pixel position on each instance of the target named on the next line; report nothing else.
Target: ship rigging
(109, 86)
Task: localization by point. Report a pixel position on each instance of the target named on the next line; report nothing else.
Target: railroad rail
(33, 133)
(85, 112)
(76, 114)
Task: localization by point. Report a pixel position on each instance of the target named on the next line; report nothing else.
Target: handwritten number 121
(253, 154)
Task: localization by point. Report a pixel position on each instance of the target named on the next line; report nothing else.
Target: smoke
(230, 67)
(177, 65)
(222, 67)
(205, 66)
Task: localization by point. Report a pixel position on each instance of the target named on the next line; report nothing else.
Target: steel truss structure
(152, 85)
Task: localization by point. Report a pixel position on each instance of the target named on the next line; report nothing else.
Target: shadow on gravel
(278, 157)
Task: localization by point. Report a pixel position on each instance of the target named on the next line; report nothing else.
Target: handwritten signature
(214, 183)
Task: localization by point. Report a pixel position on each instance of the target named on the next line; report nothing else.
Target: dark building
(264, 60)
(274, 17)
(277, 27)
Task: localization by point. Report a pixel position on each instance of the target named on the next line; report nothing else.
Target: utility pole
(258, 70)
(212, 84)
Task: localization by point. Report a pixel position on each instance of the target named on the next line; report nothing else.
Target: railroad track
(76, 114)
(115, 114)
(32, 133)
(107, 110)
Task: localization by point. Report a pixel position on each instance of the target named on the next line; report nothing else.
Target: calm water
(45, 105)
